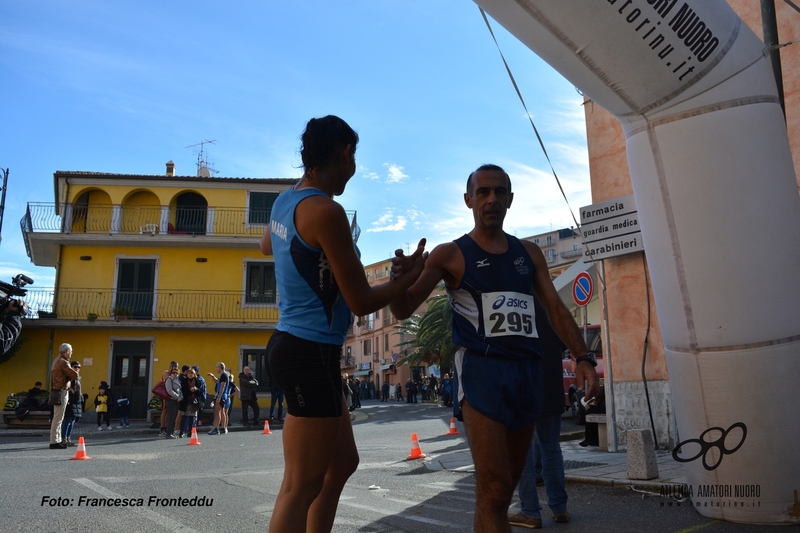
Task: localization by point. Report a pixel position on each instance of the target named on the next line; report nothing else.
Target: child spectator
(123, 410)
(101, 407)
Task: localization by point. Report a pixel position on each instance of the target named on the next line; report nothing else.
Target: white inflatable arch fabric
(719, 209)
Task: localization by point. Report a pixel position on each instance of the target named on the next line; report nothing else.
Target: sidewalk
(137, 427)
(583, 465)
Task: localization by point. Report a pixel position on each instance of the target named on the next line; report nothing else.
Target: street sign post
(582, 290)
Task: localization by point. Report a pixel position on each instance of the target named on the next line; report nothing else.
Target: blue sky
(124, 87)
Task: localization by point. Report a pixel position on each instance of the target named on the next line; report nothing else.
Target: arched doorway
(191, 213)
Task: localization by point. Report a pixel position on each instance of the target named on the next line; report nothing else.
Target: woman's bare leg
(320, 456)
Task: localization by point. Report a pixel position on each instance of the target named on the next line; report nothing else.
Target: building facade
(149, 269)
(561, 248)
(373, 350)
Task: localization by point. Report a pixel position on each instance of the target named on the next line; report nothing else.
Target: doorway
(131, 370)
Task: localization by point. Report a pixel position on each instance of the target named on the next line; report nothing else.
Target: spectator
(277, 399)
(74, 409)
(220, 399)
(447, 391)
(194, 397)
(31, 401)
(102, 406)
(164, 375)
(182, 403)
(385, 392)
(346, 390)
(202, 393)
(123, 410)
(248, 384)
(173, 387)
(232, 390)
(545, 459)
(61, 373)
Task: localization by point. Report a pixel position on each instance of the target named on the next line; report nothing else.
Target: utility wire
(538, 137)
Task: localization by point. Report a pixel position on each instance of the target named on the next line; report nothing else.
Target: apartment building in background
(149, 269)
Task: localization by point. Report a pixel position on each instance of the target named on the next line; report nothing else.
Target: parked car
(595, 344)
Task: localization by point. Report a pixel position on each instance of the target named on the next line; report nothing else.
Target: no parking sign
(582, 289)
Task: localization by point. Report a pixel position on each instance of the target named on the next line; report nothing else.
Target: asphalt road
(236, 477)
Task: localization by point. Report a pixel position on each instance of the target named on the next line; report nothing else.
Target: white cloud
(388, 222)
(372, 176)
(396, 174)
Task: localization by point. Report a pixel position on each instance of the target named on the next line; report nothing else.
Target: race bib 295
(508, 313)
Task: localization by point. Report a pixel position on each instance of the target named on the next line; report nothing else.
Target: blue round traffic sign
(582, 289)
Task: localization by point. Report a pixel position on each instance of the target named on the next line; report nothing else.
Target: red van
(595, 344)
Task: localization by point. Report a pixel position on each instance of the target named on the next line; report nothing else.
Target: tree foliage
(429, 338)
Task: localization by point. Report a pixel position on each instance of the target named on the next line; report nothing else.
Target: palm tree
(430, 335)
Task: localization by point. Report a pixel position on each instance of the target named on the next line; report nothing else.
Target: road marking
(393, 464)
(206, 475)
(167, 523)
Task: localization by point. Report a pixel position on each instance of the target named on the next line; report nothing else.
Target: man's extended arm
(561, 319)
(436, 269)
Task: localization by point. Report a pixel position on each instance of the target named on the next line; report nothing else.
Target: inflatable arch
(711, 168)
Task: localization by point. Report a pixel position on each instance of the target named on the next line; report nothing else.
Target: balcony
(160, 308)
(571, 253)
(45, 226)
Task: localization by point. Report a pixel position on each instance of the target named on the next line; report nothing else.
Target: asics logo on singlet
(509, 302)
(482, 263)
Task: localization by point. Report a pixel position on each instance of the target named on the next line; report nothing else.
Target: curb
(649, 484)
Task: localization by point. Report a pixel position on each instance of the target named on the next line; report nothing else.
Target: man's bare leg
(499, 455)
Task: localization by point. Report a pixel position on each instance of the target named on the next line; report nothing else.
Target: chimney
(170, 168)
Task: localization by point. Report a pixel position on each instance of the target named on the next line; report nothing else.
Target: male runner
(490, 278)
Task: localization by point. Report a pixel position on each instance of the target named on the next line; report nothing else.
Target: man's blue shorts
(508, 391)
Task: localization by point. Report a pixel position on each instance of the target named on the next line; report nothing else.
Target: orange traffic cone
(194, 441)
(80, 455)
(453, 430)
(416, 451)
(266, 428)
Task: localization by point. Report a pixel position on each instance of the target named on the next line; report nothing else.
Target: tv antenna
(203, 170)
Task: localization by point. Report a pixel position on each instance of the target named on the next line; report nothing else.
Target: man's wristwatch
(589, 356)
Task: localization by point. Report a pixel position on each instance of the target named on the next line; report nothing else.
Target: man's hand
(584, 371)
(409, 265)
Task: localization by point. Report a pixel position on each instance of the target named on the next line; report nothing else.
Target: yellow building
(149, 269)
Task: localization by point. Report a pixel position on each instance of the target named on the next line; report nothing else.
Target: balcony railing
(159, 305)
(150, 220)
(571, 253)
